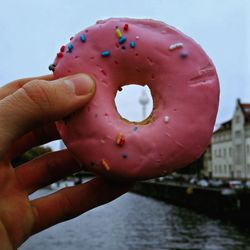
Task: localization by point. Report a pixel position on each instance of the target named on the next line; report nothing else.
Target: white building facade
(230, 146)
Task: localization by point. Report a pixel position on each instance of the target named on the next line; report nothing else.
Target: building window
(238, 134)
(220, 170)
(219, 152)
(225, 152)
(238, 173)
(237, 119)
(238, 154)
(225, 169)
(248, 149)
(230, 151)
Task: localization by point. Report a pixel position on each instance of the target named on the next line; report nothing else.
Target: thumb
(40, 101)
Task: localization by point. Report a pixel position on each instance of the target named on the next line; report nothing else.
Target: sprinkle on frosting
(125, 27)
(135, 128)
(122, 40)
(175, 46)
(166, 119)
(52, 67)
(137, 37)
(83, 38)
(60, 55)
(70, 48)
(184, 54)
(120, 139)
(105, 53)
(105, 165)
(124, 156)
(132, 44)
(118, 32)
(62, 49)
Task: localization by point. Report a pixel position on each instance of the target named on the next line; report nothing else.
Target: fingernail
(81, 83)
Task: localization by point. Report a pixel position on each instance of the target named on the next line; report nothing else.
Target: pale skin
(28, 109)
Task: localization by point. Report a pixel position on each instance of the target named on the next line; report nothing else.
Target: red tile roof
(246, 110)
(245, 107)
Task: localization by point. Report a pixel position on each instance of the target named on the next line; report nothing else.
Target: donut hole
(134, 103)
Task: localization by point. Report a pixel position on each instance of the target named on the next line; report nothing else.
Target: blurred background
(31, 35)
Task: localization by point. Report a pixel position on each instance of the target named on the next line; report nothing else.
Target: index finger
(11, 87)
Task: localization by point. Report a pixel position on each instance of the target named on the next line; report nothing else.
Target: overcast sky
(33, 31)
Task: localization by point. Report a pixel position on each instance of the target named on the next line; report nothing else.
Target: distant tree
(31, 154)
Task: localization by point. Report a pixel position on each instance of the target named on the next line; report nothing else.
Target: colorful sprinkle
(60, 55)
(135, 128)
(120, 139)
(105, 53)
(123, 47)
(175, 46)
(132, 44)
(122, 39)
(137, 37)
(118, 32)
(125, 27)
(184, 54)
(103, 72)
(52, 67)
(105, 165)
(71, 38)
(83, 38)
(125, 156)
(166, 119)
(62, 49)
(103, 141)
(70, 48)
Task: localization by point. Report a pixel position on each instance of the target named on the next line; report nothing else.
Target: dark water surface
(139, 223)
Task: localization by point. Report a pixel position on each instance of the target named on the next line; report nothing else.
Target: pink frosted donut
(184, 87)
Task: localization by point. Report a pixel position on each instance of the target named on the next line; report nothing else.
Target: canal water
(134, 222)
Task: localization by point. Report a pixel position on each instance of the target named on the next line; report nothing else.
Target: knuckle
(65, 204)
(36, 91)
(52, 167)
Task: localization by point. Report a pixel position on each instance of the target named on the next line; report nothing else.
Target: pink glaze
(184, 87)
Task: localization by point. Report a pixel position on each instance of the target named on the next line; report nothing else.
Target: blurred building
(230, 146)
(207, 163)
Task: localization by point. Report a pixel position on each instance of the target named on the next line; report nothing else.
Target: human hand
(28, 109)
